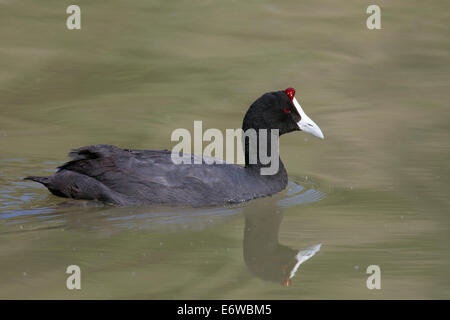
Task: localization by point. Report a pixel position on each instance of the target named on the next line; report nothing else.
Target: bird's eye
(287, 110)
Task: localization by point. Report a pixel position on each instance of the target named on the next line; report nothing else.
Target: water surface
(374, 192)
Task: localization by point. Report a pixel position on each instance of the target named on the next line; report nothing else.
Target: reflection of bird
(263, 255)
(132, 177)
(304, 255)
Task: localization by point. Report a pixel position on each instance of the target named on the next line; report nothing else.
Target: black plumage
(143, 177)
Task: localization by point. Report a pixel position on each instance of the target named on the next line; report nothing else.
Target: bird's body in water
(145, 177)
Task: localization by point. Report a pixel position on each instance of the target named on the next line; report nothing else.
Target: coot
(149, 177)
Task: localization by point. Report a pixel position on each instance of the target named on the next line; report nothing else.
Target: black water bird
(149, 177)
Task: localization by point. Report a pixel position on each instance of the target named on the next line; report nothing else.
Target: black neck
(265, 149)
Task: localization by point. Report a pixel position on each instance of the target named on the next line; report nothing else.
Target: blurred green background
(139, 69)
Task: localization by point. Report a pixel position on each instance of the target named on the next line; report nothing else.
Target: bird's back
(136, 177)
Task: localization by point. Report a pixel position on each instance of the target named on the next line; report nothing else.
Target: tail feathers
(44, 180)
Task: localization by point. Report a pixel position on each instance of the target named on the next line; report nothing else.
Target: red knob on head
(290, 92)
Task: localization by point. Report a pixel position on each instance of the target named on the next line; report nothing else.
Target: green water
(374, 192)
